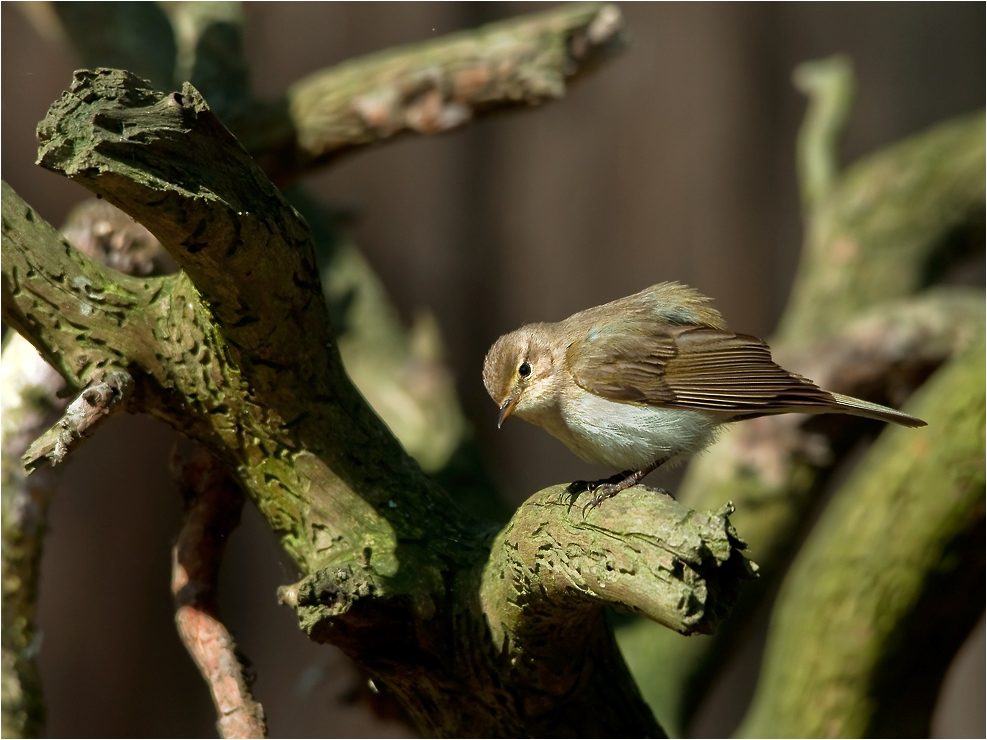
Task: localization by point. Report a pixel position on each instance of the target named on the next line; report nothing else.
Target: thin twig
(81, 419)
(213, 504)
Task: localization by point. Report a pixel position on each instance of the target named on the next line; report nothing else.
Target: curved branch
(30, 403)
(213, 502)
(221, 219)
(775, 467)
(648, 554)
(520, 59)
(430, 88)
(858, 645)
(829, 85)
(425, 88)
(530, 613)
(872, 241)
(80, 315)
(201, 346)
(876, 236)
(237, 352)
(784, 460)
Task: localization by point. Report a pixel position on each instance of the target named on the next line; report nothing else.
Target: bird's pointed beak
(508, 408)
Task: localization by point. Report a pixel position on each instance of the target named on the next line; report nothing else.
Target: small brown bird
(646, 379)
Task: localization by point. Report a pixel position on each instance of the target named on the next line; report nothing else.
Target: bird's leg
(590, 486)
(610, 487)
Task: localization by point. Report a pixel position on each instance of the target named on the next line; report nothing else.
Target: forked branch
(238, 353)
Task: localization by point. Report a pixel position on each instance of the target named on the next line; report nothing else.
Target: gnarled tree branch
(238, 353)
(861, 621)
(31, 402)
(429, 88)
(857, 323)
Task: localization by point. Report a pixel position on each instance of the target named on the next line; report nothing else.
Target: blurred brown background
(675, 161)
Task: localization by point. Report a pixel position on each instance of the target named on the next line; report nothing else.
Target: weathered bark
(429, 88)
(31, 403)
(399, 370)
(395, 573)
(213, 502)
(478, 632)
(857, 323)
(880, 229)
(880, 598)
(426, 88)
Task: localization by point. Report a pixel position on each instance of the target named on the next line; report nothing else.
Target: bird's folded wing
(689, 367)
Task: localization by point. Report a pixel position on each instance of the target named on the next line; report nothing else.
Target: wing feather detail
(689, 367)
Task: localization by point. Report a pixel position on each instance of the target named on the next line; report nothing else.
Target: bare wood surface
(105, 396)
(213, 502)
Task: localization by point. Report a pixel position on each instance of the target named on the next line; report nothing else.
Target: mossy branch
(646, 554)
(199, 349)
(424, 88)
(519, 62)
(878, 600)
(237, 352)
(30, 403)
(430, 88)
(776, 467)
(876, 234)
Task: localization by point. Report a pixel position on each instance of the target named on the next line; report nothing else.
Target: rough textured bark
(429, 88)
(425, 88)
(858, 322)
(494, 632)
(31, 402)
(394, 571)
(879, 599)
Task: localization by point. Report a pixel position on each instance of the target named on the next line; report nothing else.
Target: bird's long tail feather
(876, 411)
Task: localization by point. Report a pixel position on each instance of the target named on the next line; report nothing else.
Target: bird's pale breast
(622, 436)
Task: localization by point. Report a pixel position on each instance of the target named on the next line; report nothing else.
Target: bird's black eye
(524, 370)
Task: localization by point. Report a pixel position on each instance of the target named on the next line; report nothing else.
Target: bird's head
(519, 371)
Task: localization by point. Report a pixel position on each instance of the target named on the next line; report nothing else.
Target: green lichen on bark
(647, 554)
(237, 351)
(862, 321)
(886, 552)
(869, 240)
